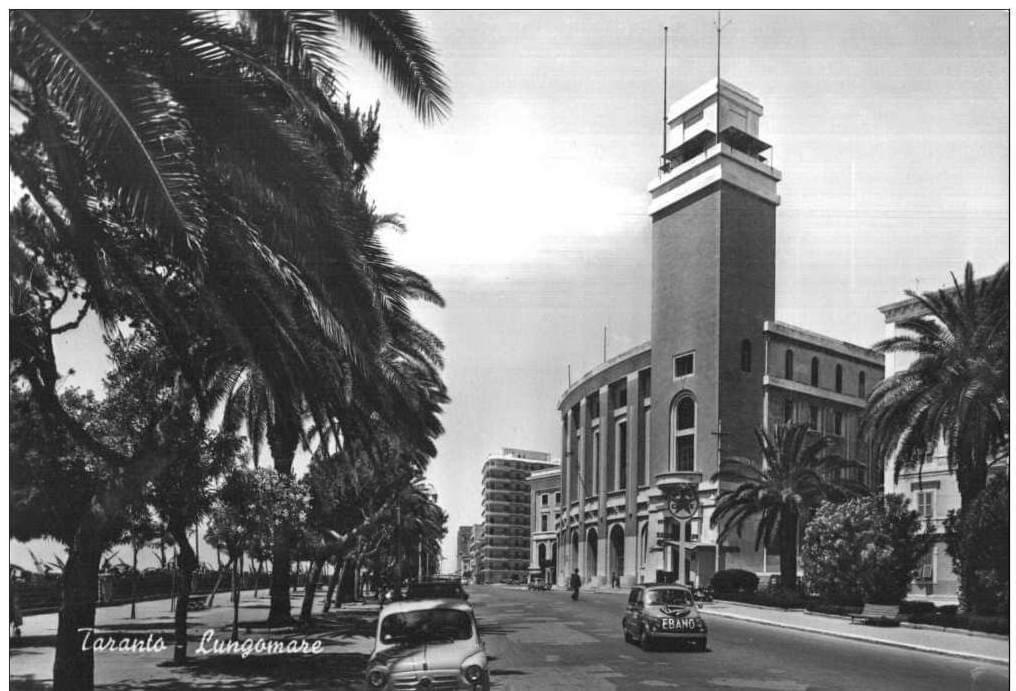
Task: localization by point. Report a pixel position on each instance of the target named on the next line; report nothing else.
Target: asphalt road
(544, 640)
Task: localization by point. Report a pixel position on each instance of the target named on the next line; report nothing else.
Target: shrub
(866, 548)
(734, 581)
(917, 607)
(981, 537)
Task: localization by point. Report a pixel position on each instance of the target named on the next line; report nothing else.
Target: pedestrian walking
(575, 582)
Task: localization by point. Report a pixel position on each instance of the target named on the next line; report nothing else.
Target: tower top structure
(713, 133)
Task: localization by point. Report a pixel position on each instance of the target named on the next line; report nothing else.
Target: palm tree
(796, 473)
(956, 391)
(186, 165)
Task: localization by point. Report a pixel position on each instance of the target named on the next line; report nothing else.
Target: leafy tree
(864, 549)
(794, 476)
(978, 542)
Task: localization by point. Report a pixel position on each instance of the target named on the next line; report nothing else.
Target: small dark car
(659, 612)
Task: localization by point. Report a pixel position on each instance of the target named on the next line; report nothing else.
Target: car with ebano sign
(657, 612)
(428, 644)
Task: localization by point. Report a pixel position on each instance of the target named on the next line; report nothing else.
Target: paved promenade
(345, 638)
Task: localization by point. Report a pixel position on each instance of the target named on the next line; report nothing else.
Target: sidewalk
(345, 636)
(968, 645)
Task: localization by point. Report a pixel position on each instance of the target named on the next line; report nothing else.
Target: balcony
(675, 478)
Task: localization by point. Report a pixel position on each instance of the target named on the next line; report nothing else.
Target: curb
(865, 639)
(862, 639)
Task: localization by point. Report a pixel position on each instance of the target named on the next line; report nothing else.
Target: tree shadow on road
(231, 672)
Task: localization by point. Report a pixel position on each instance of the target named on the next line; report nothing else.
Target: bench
(878, 615)
(197, 602)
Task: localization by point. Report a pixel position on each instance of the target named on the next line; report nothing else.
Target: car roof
(431, 603)
(675, 586)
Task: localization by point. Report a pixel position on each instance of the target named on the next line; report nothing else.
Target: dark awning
(742, 141)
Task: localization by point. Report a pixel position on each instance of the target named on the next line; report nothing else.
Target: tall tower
(713, 209)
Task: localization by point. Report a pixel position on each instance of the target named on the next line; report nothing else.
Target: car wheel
(645, 640)
(699, 645)
(627, 636)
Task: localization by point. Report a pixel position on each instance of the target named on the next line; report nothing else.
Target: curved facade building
(642, 434)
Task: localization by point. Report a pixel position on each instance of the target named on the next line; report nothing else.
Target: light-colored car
(659, 612)
(428, 644)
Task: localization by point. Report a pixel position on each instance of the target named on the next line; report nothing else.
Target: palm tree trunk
(310, 589)
(278, 611)
(788, 551)
(188, 563)
(235, 636)
(134, 580)
(73, 666)
(332, 582)
(218, 581)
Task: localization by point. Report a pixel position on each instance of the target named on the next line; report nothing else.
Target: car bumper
(411, 681)
(678, 635)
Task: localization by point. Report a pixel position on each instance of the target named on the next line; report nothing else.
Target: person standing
(575, 582)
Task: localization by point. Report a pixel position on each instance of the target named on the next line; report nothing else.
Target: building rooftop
(522, 455)
(842, 347)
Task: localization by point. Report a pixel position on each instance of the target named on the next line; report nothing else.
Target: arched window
(683, 426)
(746, 355)
(814, 371)
(788, 365)
(839, 378)
(860, 385)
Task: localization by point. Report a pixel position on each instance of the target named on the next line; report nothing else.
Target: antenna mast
(719, 30)
(664, 93)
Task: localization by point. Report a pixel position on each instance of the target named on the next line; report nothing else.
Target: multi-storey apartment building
(463, 555)
(545, 500)
(504, 543)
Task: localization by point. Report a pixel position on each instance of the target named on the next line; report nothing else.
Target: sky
(527, 207)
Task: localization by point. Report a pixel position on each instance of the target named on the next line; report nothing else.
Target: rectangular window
(926, 504)
(813, 417)
(557, 497)
(684, 365)
(622, 455)
(838, 423)
(686, 452)
(926, 569)
(543, 522)
(788, 411)
(544, 499)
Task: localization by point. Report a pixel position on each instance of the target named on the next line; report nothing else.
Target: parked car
(428, 590)
(658, 612)
(423, 644)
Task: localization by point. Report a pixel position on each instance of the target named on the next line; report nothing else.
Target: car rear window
(426, 625)
(420, 590)
(668, 597)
